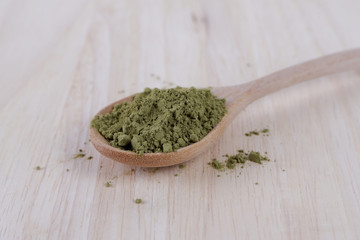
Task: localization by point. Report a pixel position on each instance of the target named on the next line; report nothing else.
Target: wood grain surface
(62, 61)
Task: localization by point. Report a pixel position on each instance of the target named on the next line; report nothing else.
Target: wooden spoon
(237, 98)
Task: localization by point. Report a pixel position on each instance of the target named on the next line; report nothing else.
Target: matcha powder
(161, 120)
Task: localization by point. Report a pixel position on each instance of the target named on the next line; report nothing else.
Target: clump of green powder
(138, 201)
(254, 132)
(79, 155)
(265, 132)
(256, 157)
(232, 160)
(240, 158)
(161, 120)
(217, 165)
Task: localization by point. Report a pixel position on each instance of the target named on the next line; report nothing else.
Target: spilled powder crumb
(217, 165)
(79, 155)
(264, 131)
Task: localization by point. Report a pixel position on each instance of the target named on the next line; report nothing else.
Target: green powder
(232, 161)
(138, 200)
(161, 120)
(255, 157)
(257, 133)
(79, 155)
(217, 165)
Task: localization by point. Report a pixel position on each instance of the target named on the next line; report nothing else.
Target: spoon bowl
(237, 98)
(154, 159)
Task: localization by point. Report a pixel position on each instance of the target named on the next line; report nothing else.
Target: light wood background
(62, 61)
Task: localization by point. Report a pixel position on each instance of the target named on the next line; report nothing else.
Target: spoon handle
(323, 66)
(241, 95)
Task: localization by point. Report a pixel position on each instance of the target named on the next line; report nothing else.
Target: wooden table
(61, 61)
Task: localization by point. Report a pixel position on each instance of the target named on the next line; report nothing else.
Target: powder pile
(161, 120)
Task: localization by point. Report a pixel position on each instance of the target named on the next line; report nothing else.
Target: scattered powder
(181, 166)
(108, 184)
(79, 155)
(217, 165)
(38, 168)
(138, 201)
(265, 132)
(254, 132)
(232, 161)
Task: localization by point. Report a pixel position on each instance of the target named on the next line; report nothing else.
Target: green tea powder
(161, 120)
